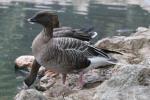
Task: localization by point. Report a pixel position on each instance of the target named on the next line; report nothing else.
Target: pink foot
(80, 81)
(64, 78)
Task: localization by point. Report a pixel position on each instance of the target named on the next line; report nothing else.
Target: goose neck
(48, 32)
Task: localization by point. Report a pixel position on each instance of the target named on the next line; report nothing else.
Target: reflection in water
(17, 35)
(81, 6)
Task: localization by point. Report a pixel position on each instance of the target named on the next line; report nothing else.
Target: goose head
(46, 19)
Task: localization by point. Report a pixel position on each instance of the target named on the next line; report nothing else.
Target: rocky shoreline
(129, 80)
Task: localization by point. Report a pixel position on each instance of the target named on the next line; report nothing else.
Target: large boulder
(130, 82)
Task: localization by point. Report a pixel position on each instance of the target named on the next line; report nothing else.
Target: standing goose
(63, 54)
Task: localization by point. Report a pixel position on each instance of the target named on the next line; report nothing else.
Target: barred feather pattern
(68, 52)
(63, 54)
(73, 33)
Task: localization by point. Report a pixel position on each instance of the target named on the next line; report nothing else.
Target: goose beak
(31, 20)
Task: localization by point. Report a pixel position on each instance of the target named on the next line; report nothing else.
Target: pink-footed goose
(84, 34)
(63, 54)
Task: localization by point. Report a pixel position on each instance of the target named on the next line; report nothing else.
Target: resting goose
(63, 54)
(84, 34)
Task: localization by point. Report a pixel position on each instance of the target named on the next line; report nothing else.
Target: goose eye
(41, 15)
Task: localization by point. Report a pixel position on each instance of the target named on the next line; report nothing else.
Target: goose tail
(93, 34)
(110, 51)
(100, 62)
(101, 58)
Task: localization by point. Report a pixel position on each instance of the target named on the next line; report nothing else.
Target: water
(17, 34)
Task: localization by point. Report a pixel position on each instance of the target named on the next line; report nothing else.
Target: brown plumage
(63, 54)
(84, 34)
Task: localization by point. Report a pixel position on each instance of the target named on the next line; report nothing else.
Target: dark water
(16, 34)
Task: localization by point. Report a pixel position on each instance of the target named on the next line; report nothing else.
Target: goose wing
(62, 28)
(79, 46)
(82, 34)
(73, 52)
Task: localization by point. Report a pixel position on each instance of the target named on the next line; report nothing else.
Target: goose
(84, 34)
(64, 55)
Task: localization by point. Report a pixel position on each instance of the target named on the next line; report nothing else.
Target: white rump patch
(94, 35)
(99, 61)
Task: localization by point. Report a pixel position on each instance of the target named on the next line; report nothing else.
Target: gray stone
(131, 82)
(30, 94)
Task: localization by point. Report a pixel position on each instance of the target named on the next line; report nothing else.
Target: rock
(24, 61)
(130, 83)
(30, 94)
(58, 90)
(81, 95)
(23, 65)
(141, 29)
(48, 80)
(144, 77)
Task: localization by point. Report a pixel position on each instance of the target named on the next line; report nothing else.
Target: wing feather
(74, 52)
(80, 46)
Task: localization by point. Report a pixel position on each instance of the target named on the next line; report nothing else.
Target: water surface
(17, 34)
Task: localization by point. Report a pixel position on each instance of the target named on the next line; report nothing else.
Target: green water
(16, 34)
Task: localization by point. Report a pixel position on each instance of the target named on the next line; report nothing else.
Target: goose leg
(31, 78)
(80, 81)
(64, 78)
